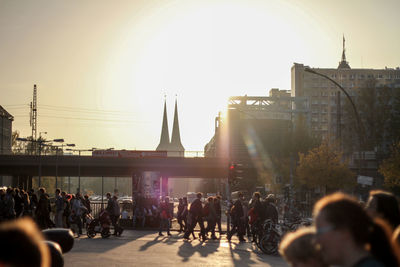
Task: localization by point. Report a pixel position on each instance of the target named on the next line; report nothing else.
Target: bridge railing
(186, 154)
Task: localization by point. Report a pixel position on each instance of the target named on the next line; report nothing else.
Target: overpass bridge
(89, 166)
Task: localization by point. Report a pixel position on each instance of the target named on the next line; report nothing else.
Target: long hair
(387, 206)
(344, 212)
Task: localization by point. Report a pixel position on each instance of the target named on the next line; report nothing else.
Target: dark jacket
(217, 207)
(196, 208)
(110, 206)
(237, 210)
(271, 212)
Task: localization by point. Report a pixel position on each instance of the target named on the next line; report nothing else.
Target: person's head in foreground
(347, 236)
(22, 245)
(383, 204)
(299, 249)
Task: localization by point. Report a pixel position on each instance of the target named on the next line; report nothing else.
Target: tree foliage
(32, 148)
(390, 168)
(323, 167)
(375, 107)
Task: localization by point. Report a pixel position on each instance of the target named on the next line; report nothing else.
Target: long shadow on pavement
(169, 240)
(103, 244)
(187, 250)
(244, 256)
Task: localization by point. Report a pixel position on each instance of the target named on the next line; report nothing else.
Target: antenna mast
(33, 120)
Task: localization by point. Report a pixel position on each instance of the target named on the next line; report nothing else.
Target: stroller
(100, 225)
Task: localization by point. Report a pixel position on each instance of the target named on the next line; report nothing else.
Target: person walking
(115, 218)
(67, 210)
(196, 214)
(211, 217)
(77, 210)
(237, 225)
(18, 203)
(218, 212)
(9, 204)
(43, 210)
(86, 203)
(33, 200)
(179, 215)
(27, 204)
(165, 216)
(245, 218)
(59, 209)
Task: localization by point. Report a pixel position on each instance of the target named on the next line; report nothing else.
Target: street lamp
(360, 127)
(41, 143)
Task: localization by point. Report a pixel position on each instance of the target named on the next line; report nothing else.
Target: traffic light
(235, 172)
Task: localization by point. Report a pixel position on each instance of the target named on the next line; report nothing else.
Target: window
(352, 76)
(361, 77)
(343, 76)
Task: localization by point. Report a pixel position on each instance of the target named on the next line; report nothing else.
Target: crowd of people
(67, 209)
(207, 215)
(345, 232)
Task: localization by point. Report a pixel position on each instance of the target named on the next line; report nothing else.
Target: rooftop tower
(344, 64)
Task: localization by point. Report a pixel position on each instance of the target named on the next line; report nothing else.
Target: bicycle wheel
(105, 233)
(269, 243)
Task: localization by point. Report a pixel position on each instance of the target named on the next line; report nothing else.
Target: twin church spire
(175, 145)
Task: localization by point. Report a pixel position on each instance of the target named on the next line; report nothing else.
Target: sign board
(129, 154)
(365, 180)
(151, 184)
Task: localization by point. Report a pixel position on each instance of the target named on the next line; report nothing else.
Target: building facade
(5, 140)
(5, 131)
(325, 101)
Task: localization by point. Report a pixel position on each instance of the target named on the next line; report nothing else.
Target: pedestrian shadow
(156, 240)
(244, 255)
(187, 249)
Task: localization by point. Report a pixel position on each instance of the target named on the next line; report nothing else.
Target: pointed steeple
(164, 140)
(176, 144)
(344, 64)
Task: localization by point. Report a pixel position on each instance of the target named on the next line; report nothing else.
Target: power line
(76, 109)
(89, 119)
(12, 105)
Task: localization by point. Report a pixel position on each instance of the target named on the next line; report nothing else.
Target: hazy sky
(103, 67)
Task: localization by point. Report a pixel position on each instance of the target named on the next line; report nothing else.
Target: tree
(18, 147)
(394, 122)
(374, 106)
(323, 167)
(390, 168)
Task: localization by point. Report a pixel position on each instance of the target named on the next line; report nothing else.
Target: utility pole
(33, 119)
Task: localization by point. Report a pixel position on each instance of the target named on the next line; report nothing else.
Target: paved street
(146, 248)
